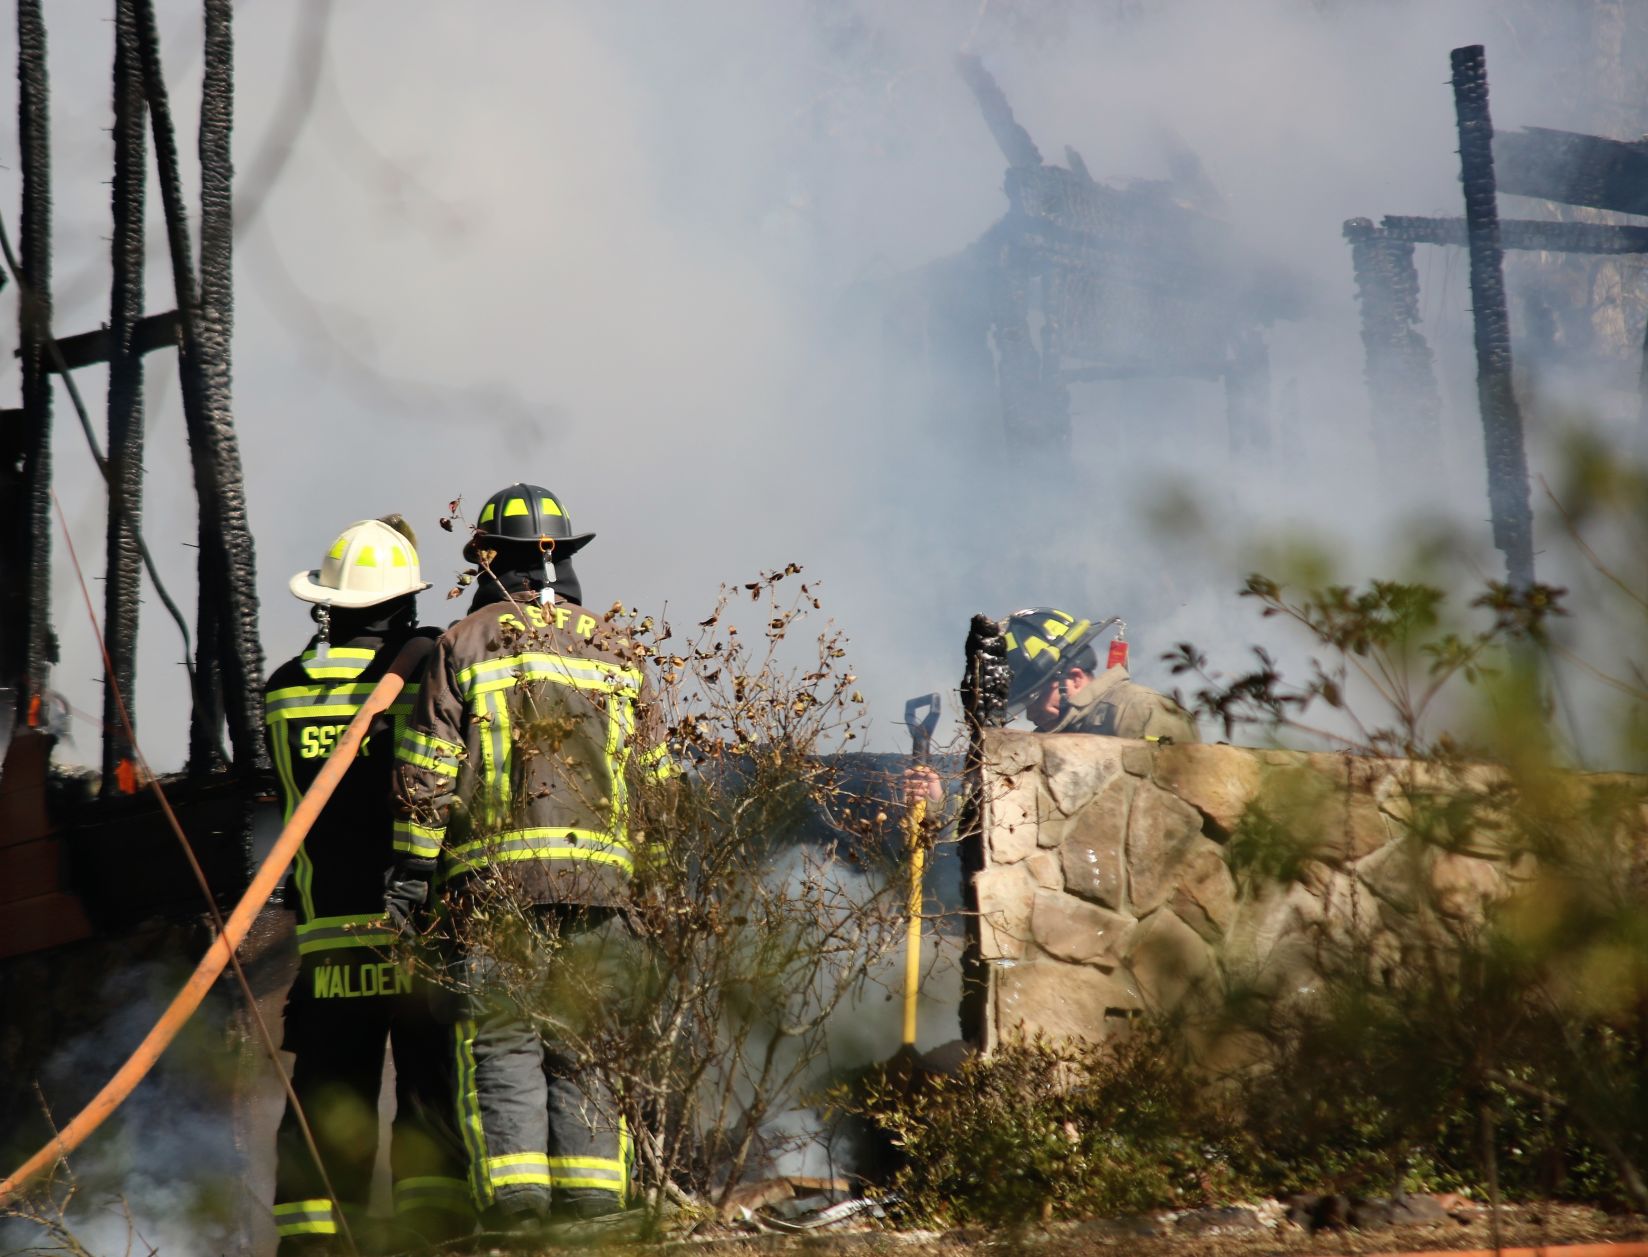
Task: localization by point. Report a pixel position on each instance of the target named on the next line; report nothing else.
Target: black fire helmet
(1042, 645)
(525, 513)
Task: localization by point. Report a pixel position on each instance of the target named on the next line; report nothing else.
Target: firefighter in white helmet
(351, 995)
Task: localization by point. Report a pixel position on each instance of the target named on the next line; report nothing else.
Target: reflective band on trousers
(305, 1217)
(544, 843)
(469, 1110)
(598, 1172)
(515, 1169)
(433, 1191)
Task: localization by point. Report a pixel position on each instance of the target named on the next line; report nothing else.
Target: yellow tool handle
(212, 964)
(912, 946)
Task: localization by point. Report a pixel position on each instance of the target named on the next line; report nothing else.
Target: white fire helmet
(369, 563)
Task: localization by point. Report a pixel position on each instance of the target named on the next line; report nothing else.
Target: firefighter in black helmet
(1059, 687)
(492, 819)
(350, 995)
(527, 520)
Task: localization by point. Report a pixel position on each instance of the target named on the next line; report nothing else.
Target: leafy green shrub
(1042, 1129)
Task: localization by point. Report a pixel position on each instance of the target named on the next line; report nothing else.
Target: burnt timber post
(25, 625)
(240, 647)
(229, 657)
(1508, 492)
(125, 454)
(985, 682)
(1400, 370)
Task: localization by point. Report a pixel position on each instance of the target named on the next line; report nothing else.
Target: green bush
(1042, 1129)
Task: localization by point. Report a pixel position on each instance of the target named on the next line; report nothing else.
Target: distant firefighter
(351, 994)
(1058, 687)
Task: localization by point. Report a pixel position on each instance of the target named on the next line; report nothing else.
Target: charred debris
(1562, 167)
(1078, 283)
(83, 854)
(1082, 282)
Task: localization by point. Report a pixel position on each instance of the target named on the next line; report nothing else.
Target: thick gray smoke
(644, 255)
(170, 1171)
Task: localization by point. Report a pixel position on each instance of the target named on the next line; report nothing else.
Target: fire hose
(212, 964)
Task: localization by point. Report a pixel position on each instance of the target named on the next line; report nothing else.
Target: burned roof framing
(1562, 166)
(1083, 282)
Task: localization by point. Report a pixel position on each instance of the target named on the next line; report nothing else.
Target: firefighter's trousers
(536, 1117)
(342, 1009)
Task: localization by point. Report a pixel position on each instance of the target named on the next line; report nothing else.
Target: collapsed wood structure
(41, 875)
(1083, 282)
(1561, 166)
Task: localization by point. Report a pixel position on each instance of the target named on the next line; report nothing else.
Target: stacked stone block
(1121, 878)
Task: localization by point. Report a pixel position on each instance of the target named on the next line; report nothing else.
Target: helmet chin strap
(323, 617)
(546, 595)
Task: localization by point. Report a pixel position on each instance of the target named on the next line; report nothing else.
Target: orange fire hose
(1619, 1248)
(212, 964)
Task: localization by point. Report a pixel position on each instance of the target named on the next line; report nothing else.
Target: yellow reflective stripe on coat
(573, 670)
(367, 653)
(298, 702)
(305, 1217)
(657, 763)
(331, 933)
(343, 663)
(426, 751)
(493, 717)
(620, 724)
(514, 1168)
(601, 1172)
(548, 843)
(421, 841)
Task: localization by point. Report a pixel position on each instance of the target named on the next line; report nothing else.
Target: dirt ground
(1519, 1226)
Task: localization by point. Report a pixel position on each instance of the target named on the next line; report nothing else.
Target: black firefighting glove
(406, 894)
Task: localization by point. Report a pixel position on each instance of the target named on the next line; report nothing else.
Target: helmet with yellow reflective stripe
(525, 513)
(370, 562)
(1043, 644)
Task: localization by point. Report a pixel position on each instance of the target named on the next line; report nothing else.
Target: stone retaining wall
(1106, 888)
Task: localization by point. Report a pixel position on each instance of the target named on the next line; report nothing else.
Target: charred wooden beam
(1573, 168)
(29, 646)
(144, 335)
(206, 717)
(1520, 233)
(229, 658)
(1508, 491)
(125, 341)
(1399, 367)
(241, 645)
(1013, 140)
(985, 682)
